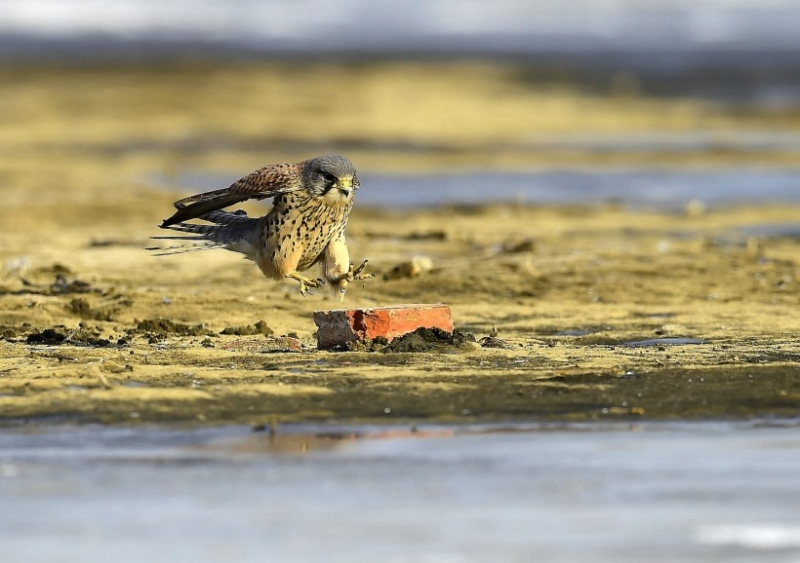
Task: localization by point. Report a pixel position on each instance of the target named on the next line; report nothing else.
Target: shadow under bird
(306, 225)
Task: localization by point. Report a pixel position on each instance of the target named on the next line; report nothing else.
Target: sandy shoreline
(564, 288)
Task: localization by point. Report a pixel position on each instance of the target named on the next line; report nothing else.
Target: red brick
(341, 326)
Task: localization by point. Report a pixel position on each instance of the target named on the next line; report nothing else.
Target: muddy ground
(577, 312)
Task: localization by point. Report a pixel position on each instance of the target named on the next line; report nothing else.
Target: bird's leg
(350, 276)
(305, 282)
(356, 274)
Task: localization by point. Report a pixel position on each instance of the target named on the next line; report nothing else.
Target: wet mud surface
(612, 313)
(563, 312)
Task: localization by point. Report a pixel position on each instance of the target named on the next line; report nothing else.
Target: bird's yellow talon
(354, 275)
(306, 283)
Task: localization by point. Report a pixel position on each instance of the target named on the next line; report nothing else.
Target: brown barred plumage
(306, 225)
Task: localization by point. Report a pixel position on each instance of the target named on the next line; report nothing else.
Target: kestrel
(311, 204)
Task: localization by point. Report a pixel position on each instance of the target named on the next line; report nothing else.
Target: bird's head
(332, 178)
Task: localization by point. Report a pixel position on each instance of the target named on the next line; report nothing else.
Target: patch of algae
(552, 295)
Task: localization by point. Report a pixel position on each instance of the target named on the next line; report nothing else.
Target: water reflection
(273, 441)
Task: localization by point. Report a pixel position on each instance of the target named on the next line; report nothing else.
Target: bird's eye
(330, 179)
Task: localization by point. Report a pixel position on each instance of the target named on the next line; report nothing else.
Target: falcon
(311, 202)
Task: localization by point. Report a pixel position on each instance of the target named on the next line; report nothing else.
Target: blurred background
(644, 101)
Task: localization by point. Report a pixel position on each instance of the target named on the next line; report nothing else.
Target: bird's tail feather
(180, 248)
(232, 230)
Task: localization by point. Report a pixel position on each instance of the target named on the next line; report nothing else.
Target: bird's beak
(345, 185)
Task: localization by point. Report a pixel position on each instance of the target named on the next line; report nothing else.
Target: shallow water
(582, 26)
(656, 492)
(638, 187)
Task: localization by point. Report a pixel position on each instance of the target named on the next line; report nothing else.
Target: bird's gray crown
(320, 173)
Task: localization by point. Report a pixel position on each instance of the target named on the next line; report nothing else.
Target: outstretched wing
(267, 182)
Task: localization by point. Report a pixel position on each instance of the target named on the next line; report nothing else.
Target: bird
(311, 203)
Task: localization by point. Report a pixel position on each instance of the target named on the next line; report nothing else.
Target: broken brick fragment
(337, 328)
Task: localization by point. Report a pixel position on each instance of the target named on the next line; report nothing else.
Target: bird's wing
(267, 182)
